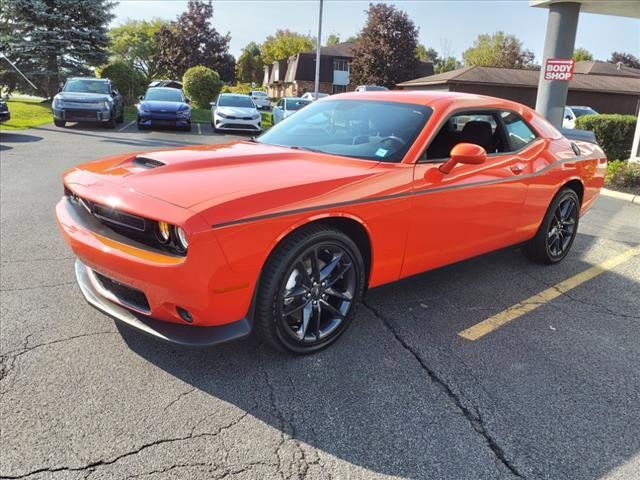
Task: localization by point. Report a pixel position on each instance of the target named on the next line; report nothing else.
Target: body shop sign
(559, 69)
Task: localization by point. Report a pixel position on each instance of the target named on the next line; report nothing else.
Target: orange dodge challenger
(283, 234)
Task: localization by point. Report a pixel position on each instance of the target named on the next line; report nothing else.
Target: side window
(480, 128)
(518, 131)
(280, 103)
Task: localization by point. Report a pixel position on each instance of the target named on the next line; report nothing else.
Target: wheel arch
(354, 227)
(577, 186)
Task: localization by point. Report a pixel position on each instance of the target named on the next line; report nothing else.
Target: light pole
(318, 46)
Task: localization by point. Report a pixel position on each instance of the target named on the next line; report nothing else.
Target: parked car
(283, 234)
(4, 111)
(288, 106)
(261, 99)
(90, 100)
(572, 113)
(235, 112)
(369, 88)
(312, 96)
(164, 106)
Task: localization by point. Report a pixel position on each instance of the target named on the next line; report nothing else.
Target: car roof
(90, 78)
(233, 95)
(431, 98)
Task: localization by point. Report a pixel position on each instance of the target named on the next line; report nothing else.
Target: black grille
(112, 215)
(240, 126)
(127, 295)
(80, 115)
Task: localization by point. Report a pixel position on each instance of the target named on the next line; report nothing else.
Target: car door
(474, 208)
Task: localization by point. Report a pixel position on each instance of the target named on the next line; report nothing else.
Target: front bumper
(186, 335)
(91, 115)
(237, 124)
(163, 119)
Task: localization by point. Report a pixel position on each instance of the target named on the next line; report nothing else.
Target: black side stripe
(425, 191)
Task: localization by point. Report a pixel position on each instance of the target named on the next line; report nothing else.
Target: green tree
(126, 78)
(580, 54)
(385, 53)
(134, 42)
(250, 67)
(446, 64)
(284, 44)
(498, 50)
(192, 40)
(425, 54)
(51, 40)
(333, 39)
(626, 59)
(201, 85)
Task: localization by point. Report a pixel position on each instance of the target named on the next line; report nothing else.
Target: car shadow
(361, 399)
(11, 137)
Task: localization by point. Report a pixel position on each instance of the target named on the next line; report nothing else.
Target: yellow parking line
(492, 323)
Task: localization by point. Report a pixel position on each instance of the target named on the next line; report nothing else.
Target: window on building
(341, 64)
(339, 89)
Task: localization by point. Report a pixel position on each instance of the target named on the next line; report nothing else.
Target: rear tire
(112, 121)
(120, 118)
(302, 304)
(557, 231)
(59, 123)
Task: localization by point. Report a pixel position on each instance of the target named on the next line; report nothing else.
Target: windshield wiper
(308, 149)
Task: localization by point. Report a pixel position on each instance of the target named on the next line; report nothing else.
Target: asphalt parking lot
(553, 394)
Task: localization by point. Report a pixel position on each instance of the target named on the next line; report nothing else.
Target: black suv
(88, 100)
(4, 111)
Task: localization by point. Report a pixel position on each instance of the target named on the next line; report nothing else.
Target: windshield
(372, 130)
(259, 94)
(164, 95)
(579, 112)
(235, 101)
(295, 103)
(86, 86)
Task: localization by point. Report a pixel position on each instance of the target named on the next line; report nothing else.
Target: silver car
(288, 106)
(235, 112)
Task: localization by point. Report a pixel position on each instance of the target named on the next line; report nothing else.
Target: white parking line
(127, 125)
(199, 129)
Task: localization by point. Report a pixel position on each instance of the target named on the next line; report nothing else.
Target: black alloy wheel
(558, 229)
(309, 290)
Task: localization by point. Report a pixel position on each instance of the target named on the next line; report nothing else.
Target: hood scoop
(147, 162)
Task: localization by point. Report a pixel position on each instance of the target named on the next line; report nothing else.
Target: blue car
(167, 107)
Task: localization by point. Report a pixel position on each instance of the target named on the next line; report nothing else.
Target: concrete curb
(628, 197)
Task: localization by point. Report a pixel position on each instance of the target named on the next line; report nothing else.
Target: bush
(613, 132)
(201, 85)
(129, 81)
(623, 174)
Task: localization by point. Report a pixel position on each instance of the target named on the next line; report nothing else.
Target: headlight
(181, 236)
(183, 113)
(222, 115)
(57, 103)
(164, 232)
(255, 117)
(106, 105)
(142, 109)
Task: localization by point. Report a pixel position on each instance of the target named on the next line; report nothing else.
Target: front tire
(59, 123)
(309, 290)
(557, 230)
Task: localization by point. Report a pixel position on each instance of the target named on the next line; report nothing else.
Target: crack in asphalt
(474, 418)
(101, 463)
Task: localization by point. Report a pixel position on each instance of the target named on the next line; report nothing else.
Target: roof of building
(528, 78)
(337, 50)
(596, 67)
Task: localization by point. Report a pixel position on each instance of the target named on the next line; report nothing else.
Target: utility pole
(318, 46)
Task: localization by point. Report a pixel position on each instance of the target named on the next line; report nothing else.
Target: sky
(449, 26)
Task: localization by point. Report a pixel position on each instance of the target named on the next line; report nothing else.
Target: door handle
(517, 168)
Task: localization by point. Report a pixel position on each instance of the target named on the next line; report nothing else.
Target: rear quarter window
(518, 131)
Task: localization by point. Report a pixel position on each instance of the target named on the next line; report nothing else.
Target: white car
(312, 96)
(235, 112)
(261, 99)
(288, 106)
(572, 113)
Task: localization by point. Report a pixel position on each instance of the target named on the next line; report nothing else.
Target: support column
(562, 24)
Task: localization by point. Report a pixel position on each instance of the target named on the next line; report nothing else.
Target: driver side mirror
(141, 97)
(187, 100)
(467, 153)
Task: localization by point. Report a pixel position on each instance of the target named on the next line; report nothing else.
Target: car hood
(83, 97)
(237, 111)
(169, 107)
(231, 181)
